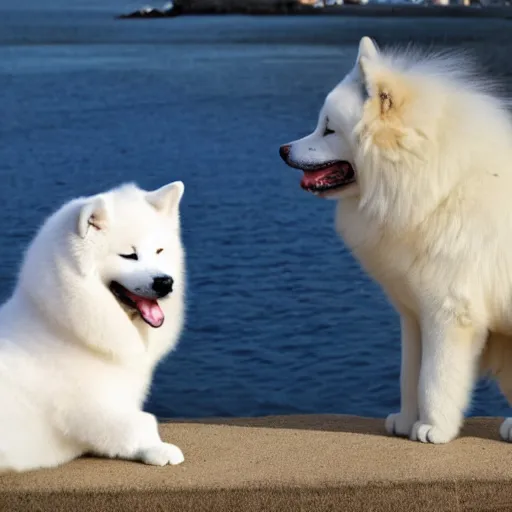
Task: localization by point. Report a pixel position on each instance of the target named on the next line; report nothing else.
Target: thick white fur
(430, 218)
(75, 365)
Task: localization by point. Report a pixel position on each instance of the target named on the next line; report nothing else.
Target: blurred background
(280, 317)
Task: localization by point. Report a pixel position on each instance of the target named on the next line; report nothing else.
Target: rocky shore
(280, 7)
(223, 7)
(244, 6)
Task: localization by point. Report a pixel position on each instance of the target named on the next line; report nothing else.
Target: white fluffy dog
(99, 301)
(418, 153)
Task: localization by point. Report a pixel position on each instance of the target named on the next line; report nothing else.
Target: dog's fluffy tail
(496, 361)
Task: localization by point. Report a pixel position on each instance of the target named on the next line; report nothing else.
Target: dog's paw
(506, 430)
(163, 454)
(426, 433)
(399, 424)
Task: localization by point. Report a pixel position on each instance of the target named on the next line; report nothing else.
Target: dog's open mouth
(335, 175)
(149, 309)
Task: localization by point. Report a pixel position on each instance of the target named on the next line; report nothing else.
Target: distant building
(466, 3)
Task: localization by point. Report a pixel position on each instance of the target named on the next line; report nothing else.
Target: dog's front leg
(400, 424)
(451, 346)
(120, 434)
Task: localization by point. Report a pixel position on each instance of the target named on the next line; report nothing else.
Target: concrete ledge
(280, 464)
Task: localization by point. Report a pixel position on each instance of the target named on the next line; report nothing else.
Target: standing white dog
(419, 154)
(99, 301)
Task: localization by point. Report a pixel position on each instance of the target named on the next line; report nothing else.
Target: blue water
(280, 317)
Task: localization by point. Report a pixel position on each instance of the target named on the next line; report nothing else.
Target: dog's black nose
(284, 151)
(162, 285)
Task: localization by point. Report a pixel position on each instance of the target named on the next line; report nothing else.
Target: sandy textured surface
(293, 463)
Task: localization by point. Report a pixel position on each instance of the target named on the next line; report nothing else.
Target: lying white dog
(99, 301)
(418, 154)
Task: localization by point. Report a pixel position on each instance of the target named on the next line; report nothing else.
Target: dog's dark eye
(328, 131)
(132, 256)
(158, 251)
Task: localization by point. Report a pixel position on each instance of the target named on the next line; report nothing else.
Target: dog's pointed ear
(366, 71)
(367, 48)
(167, 199)
(366, 60)
(92, 214)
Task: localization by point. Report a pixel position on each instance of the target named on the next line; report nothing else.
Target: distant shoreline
(291, 9)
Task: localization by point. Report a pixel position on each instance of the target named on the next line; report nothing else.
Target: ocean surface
(280, 317)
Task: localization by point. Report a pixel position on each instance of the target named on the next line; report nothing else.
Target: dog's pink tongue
(148, 309)
(151, 312)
